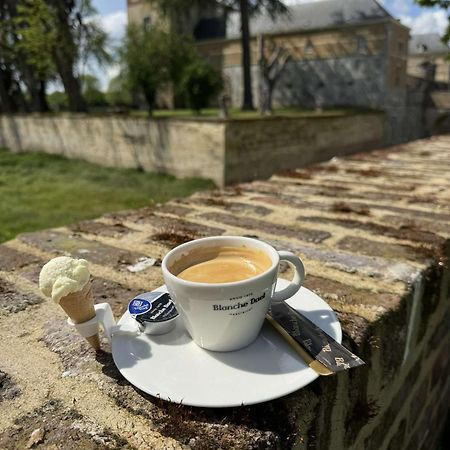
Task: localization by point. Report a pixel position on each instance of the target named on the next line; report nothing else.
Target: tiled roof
(427, 44)
(311, 16)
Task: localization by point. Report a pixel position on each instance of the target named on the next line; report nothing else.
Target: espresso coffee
(222, 264)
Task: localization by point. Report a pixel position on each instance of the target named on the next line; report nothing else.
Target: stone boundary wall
(259, 148)
(224, 151)
(373, 230)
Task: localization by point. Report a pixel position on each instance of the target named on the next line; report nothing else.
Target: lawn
(41, 191)
(236, 113)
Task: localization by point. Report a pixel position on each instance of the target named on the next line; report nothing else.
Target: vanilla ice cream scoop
(62, 276)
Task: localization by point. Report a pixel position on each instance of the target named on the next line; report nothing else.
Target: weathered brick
(355, 328)
(13, 301)
(8, 389)
(440, 334)
(398, 440)
(418, 401)
(232, 206)
(432, 279)
(295, 232)
(263, 424)
(383, 249)
(406, 212)
(361, 409)
(375, 441)
(405, 223)
(76, 246)
(168, 223)
(172, 208)
(441, 368)
(101, 229)
(335, 198)
(340, 295)
(117, 295)
(410, 234)
(352, 263)
(61, 426)
(173, 232)
(11, 259)
(355, 205)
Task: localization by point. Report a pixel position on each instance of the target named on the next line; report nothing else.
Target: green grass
(236, 113)
(41, 191)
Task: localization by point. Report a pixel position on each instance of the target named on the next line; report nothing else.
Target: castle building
(427, 53)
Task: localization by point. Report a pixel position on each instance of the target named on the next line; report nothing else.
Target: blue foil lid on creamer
(154, 312)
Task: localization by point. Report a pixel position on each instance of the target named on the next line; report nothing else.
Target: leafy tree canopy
(152, 58)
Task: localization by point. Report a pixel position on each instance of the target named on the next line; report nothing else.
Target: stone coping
(373, 231)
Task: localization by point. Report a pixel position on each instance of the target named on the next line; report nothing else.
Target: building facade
(342, 53)
(429, 58)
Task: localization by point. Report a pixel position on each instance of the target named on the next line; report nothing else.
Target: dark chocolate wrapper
(313, 339)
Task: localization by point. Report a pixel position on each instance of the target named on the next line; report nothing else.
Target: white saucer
(172, 367)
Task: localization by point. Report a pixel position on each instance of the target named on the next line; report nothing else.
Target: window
(147, 22)
(361, 45)
(401, 47)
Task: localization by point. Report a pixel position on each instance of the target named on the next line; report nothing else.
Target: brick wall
(224, 151)
(373, 230)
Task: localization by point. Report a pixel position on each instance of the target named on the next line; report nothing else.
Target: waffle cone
(79, 306)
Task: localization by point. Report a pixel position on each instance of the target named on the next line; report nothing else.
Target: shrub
(199, 83)
(57, 101)
(119, 93)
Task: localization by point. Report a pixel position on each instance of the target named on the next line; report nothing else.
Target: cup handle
(298, 279)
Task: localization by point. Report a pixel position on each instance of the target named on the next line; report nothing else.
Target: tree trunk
(268, 111)
(6, 101)
(247, 103)
(150, 97)
(65, 55)
(71, 84)
(43, 97)
(36, 89)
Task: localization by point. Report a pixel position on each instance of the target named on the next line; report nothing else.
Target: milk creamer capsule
(154, 312)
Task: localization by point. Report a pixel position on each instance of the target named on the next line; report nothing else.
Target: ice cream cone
(79, 306)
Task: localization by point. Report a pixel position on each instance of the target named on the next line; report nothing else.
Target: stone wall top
(373, 230)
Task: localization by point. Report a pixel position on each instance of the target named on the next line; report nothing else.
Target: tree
(246, 9)
(58, 101)
(444, 4)
(36, 38)
(119, 92)
(153, 58)
(271, 69)
(12, 62)
(198, 84)
(78, 38)
(58, 36)
(90, 87)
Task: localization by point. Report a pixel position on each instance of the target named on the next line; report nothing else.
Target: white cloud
(114, 24)
(427, 22)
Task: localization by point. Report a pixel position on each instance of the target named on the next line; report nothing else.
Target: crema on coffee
(221, 264)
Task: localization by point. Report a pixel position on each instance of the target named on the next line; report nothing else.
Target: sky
(113, 17)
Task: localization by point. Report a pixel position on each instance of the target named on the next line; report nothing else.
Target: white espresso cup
(228, 316)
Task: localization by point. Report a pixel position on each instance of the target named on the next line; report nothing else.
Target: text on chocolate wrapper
(239, 304)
